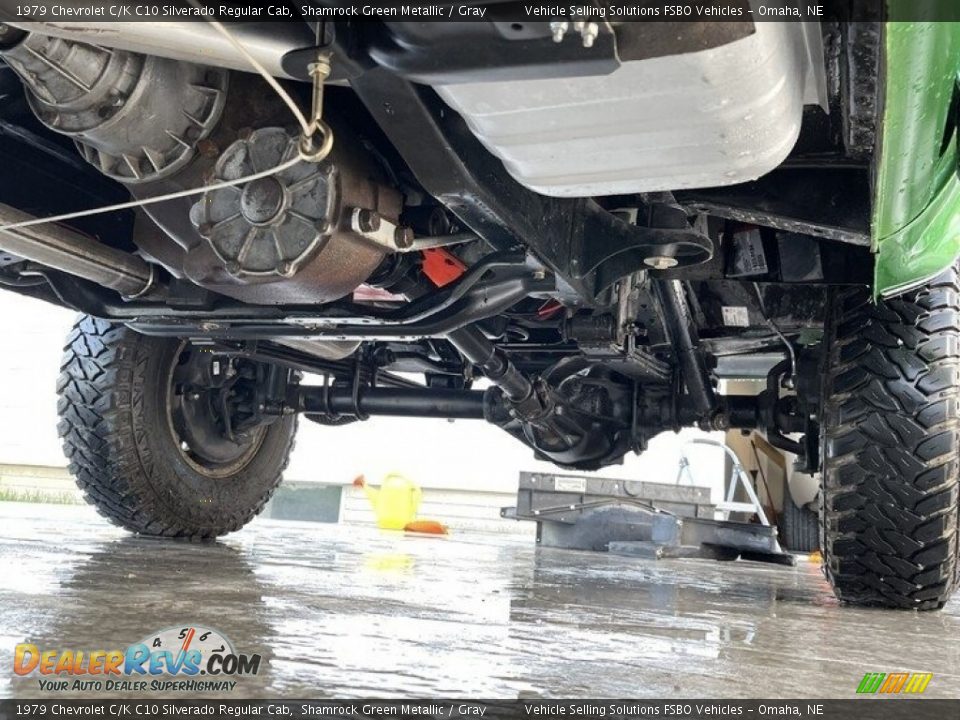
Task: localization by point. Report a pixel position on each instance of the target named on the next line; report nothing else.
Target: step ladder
(738, 476)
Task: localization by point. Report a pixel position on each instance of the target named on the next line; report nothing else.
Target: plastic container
(395, 502)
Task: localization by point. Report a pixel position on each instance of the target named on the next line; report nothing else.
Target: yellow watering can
(394, 503)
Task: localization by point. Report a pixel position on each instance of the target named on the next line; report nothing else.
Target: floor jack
(646, 519)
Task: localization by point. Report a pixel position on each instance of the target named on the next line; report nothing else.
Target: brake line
(783, 338)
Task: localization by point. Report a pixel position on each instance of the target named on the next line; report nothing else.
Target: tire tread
(100, 389)
(891, 446)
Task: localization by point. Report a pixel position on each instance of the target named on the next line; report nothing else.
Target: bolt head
(320, 69)
(588, 32)
(403, 237)
(661, 262)
(558, 28)
(369, 220)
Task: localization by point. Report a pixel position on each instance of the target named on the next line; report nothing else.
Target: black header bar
(187, 708)
(65, 11)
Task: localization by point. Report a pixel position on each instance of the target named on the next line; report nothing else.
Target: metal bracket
(369, 225)
(577, 239)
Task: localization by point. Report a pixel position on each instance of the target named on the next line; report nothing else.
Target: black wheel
(799, 526)
(143, 429)
(891, 436)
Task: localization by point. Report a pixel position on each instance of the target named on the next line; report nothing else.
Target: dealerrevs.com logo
(178, 659)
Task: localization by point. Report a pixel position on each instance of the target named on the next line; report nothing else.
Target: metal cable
(152, 200)
(303, 154)
(261, 70)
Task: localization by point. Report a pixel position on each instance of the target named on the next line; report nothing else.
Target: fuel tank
(707, 118)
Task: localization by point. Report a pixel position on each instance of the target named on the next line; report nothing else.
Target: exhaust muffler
(61, 248)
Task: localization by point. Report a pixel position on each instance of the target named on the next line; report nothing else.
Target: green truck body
(916, 217)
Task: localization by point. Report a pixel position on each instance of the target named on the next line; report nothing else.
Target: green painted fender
(916, 210)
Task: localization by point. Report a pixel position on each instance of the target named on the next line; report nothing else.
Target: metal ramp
(638, 518)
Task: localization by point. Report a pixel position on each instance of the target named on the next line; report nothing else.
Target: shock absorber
(475, 347)
(682, 333)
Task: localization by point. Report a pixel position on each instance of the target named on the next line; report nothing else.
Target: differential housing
(273, 225)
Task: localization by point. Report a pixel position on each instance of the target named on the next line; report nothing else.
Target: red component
(428, 527)
(548, 309)
(442, 266)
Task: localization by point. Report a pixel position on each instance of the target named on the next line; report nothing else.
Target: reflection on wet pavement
(340, 611)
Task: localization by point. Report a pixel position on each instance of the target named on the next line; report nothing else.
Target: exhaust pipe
(193, 42)
(61, 248)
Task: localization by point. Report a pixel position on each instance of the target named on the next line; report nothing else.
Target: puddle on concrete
(338, 611)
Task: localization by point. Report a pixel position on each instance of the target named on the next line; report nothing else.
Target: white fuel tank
(702, 119)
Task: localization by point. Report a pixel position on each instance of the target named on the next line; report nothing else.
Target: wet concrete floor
(340, 611)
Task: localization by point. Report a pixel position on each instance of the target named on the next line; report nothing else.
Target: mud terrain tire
(891, 446)
(799, 526)
(125, 458)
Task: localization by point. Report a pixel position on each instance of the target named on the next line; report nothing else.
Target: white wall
(33, 334)
(465, 454)
(461, 455)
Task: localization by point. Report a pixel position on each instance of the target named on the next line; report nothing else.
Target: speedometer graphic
(198, 640)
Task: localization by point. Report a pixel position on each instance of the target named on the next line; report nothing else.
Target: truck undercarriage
(589, 307)
(574, 231)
